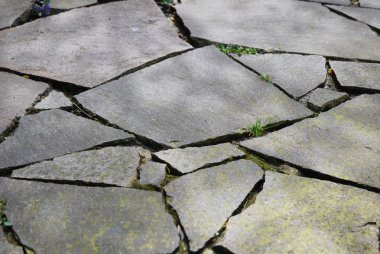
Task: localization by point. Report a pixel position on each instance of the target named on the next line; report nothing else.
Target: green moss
(235, 49)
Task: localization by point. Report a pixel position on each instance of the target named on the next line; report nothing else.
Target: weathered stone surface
(296, 74)
(11, 10)
(201, 100)
(152, 173)
(324, 99)
(359, 75)
(111, 165)
(340, 2)
(54, 100)
(343, 142)
(366, 15)
(370, 3)
(8, 248)
(94, 44)
(53, 133)
(16, 95)
(302, 215)
(70, 4)
(266, 24)
(204, 200)
(72, 219)
(192, 158)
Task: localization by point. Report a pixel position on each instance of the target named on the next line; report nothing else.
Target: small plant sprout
(167, 2)
(235, 49)
(266, 78)
(258, 128)
(3, 219)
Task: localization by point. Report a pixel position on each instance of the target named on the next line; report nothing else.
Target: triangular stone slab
(311, 28)
(200, 100)
(53, 133)
(11, 10)
(343, 142)
(54, 100)
(323, 99)
(94, 44)
(366, 15)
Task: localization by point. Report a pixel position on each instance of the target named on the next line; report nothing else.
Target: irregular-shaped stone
(200, 101)
(266, 24)
(204, 200)
(324, 99)
(357, 75)
(296, 74)
(54, 100)
(370, 3)
(53, 133)
(302, 215)
(94, 44)
(192, 158)
(343, 142)
(152, 173)
(70, 4)
(11, 10)
(16, 95)
(74, 219)
(111, 165)
(366, 15)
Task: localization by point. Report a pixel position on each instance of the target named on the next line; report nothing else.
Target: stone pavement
(194, 126)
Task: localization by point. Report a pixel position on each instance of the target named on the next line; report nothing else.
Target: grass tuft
(258, 128)
(266, 78)
(235, 49)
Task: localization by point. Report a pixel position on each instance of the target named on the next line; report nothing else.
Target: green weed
(258, 128)
(266, 78)
(3, 219)
(167, 2)
(235, 49)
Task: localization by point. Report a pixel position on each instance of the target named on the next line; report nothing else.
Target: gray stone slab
(70, 4)
(357, 75)
(312, 28)
(296, 74)
(54, 133)
(323, 99)
(192, 158)
(94, 44)
(339, 2)
(370, 3)
(16, 95)
(302, 215)
(8, 248)
(204, 200)
(199, 101)
(55, 218)
(152, 173)
(10, 10)
(54, 100)
(343, 142)
(366, 15)
(111, 165)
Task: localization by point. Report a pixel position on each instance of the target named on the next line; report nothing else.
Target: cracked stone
(343, 142)
(200, 101)
(301, 215)
(357, 75)
(324, 99)
(54, 100)
(192, 158)
(370, 3)
(366, 15)
(70, 4)
(96, 43)
(152, 173)
(11, 10)
(76, 219)
(204, 200)
(17, 94)
(111, 165)
(266, 24)
(53, 133)
(296, 74)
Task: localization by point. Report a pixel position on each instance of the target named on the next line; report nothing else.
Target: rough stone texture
(192, 158)
(366, 15)
(7, 248)
(370, 3)
(10, 10)
(53, 133)
(311, 28)
(94, 44)
(204, 200)
(152, 173)
(198, 101)
(70, 4)
(357, 75)
(343, 142)
(340, 2)
(296, 74)
(301, 215)
(111, 165)
(73, 219)
(54, 100)
(324, 99)
(16, 95)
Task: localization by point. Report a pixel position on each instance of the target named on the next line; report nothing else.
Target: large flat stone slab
(370, 3)
(54, 100)
(323, 99)
(16, 95)
(343, 142)
(366, 15)
(70, 4)
(200, 101)
(111, 165)
(301, 215)
(94, 44)
(53, 218)
(357, 75)
(53, 133)
(296, 74)
(204, 200)
(312, 28)
(192, 158)
(11, 10)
